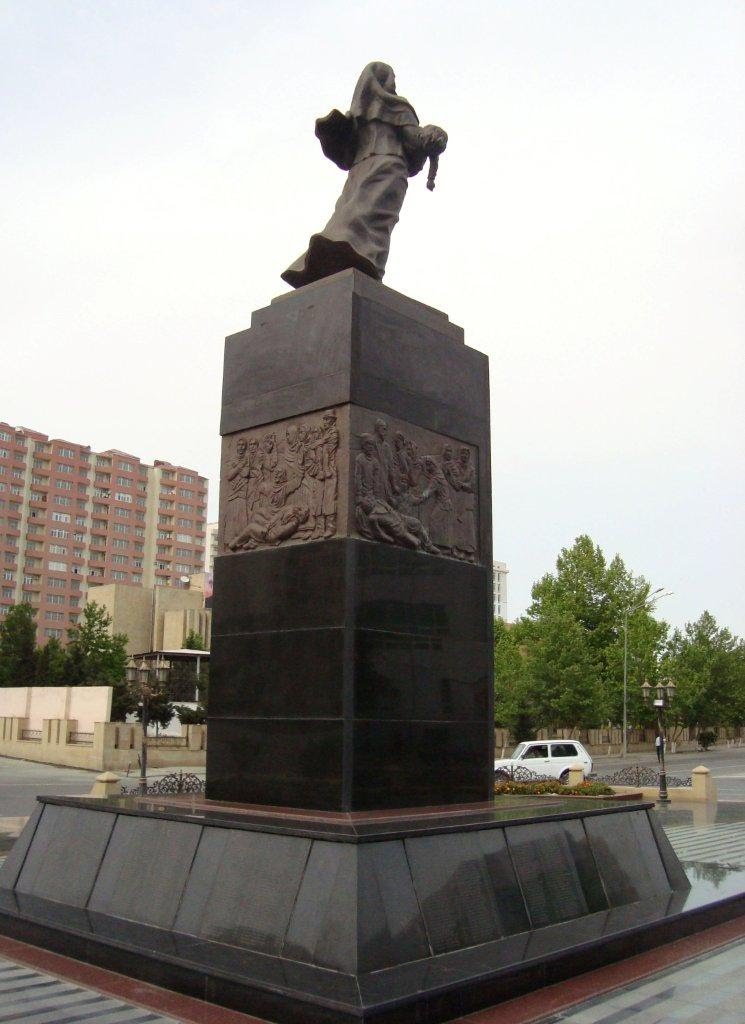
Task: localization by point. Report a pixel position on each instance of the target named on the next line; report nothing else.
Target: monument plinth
(352, 617)
(348, 862)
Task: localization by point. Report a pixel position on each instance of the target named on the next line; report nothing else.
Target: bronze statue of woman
(381, 144)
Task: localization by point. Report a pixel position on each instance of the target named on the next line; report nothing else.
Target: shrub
(190, 716)
(553, 786)
(706, 738)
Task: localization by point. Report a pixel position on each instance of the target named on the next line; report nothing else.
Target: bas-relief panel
(349, 472)
(414, 488)
(281, 483)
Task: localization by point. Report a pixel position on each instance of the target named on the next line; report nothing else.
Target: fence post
(703, 786)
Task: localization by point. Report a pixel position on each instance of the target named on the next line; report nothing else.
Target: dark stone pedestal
(352, 619)
(351, 675)
(304, 917)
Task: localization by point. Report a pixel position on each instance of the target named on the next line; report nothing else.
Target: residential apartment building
(72, 519)
(211, 547)
(500, 590)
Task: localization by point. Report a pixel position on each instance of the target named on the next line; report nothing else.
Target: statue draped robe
(379, 142)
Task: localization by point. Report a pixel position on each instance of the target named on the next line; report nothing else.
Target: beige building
(156, 618)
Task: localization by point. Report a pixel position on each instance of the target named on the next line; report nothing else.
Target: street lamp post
(664, 689)
(650, 599)
(141, 678)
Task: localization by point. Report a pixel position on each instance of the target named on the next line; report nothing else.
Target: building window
(52, 633)
(66, 453)
(63, 485)
(60, 499)
(60, 517)
(116, 575)
(62, 467)
(57, 566)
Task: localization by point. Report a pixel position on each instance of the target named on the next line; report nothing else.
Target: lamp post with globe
(146, 681)
(664, 691)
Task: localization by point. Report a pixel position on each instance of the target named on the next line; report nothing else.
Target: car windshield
(519, 749)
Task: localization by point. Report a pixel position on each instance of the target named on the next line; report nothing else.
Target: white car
(544, 757)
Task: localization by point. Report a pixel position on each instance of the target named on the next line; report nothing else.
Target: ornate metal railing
(175, 782)
(31, 734)
(516, 773)
(80, 737)
(639, 775)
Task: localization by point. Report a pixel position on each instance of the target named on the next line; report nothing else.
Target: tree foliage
(194, 641)
(51, 664)
(18, 647)
(561, 665)
(707, 664)
(572, 639)
(96, 657)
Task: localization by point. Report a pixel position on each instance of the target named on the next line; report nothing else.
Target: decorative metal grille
(519, 774)
(176, 782)
(31, 734)
(640, 775)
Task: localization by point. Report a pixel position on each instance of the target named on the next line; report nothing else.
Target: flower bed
(553, 786)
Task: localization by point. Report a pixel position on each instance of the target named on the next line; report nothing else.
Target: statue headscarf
(374, 99)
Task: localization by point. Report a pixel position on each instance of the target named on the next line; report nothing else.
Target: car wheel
(564, 777)
(500, 775)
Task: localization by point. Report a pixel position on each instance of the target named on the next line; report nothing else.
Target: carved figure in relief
(237, 476)
(282, 488)
(466, 518)
(422, 501)
(380, 521)
(437, 505)
(328, 474)
(385, 458)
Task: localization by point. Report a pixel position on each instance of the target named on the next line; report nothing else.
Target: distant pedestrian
(658, 745)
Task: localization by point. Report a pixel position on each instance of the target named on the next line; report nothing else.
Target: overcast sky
(159, 170)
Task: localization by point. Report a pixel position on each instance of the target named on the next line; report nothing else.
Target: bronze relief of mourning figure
(381, 144)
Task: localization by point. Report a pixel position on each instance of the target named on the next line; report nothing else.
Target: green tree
(96, 656)
(18, 647)
(574, 637)
(707, 664)
(160, 711)
(566, 686)
(194, 641)
(513, 708)
(51, 664)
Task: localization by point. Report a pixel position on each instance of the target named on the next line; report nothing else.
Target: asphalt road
(21, 781)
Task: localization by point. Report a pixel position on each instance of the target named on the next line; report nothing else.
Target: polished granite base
(389, 916)
(351, 666)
